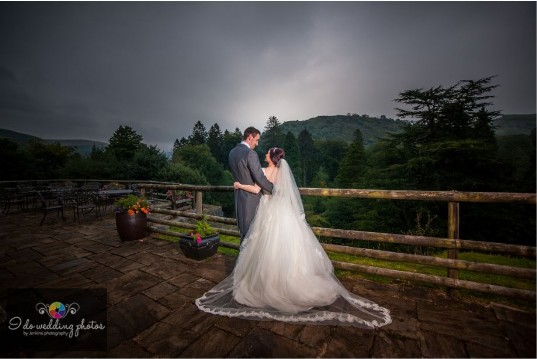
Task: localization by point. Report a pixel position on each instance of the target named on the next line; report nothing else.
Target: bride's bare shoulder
(269, 171)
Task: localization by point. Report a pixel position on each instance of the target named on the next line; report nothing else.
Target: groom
(246, 169)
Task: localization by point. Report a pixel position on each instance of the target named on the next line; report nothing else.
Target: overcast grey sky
(79, 70)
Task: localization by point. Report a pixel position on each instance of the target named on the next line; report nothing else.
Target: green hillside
(342, 127)
(83, 147)
(16, 136)
(336, 127)
(514, 125)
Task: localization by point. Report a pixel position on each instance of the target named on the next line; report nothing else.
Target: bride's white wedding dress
(283, 273)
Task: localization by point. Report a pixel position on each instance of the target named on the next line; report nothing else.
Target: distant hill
(336, 127)
(83, 147)
(515, 125)
(342, 127)
(16, 136)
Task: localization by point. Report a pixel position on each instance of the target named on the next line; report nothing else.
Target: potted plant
(131, 217)
(201, 243)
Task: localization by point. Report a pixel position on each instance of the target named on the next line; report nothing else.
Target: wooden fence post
(453, 233)
(199, 202)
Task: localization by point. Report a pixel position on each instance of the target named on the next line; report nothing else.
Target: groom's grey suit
(246, 169)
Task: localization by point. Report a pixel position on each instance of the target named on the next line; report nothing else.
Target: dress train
(283, 273)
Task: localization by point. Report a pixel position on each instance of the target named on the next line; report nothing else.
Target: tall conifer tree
(290, 146)
(351, 167)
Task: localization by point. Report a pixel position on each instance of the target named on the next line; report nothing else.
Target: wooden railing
(78, 181)
(452, 243)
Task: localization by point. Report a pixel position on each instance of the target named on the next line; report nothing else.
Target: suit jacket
(246, 169)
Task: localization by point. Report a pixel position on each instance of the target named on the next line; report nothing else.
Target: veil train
(283, 273)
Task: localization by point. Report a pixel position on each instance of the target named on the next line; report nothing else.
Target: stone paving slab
(151, 290)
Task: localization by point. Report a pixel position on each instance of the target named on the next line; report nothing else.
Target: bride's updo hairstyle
(276, 154)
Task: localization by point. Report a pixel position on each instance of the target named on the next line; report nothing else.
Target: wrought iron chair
(86, 202)
(50, 202)
(11, 198)
(28, 193)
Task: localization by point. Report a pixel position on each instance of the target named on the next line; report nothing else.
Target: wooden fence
(452, 243)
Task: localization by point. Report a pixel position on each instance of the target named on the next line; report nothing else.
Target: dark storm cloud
(6, 76)
(79, 70)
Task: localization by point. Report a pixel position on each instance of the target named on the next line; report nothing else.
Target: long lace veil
(285, 187)
(279, 247)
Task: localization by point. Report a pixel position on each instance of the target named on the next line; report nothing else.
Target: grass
(519, 283)
(495, 279)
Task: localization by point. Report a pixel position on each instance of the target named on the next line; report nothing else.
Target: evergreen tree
(46, 160)
(290, 147)
(230, 140)
(307, 154)
(177, 145)
(459, 111)
(273, 135)
(215, 141)
(331, 154)
(124, 143)
(321, 179)
(351, 168)
(451, 145)
(199, 157)
(199, 134)
(181, 173)
(150, 163)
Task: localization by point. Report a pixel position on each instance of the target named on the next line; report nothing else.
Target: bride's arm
(247, 187)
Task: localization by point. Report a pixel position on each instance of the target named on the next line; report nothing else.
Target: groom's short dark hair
(250, 131)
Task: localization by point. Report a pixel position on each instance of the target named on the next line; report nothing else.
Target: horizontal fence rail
(527, 273)
(75, 180)
(436, 242)
(443, 196)
(452, 264)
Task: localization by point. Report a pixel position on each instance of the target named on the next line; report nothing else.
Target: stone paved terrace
(151, 311)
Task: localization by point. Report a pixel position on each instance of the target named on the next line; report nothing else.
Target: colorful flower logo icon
(57, 310)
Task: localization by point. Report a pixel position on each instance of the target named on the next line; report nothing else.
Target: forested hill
(342, 127)
(337, 127)
(16, 136)
(515, 125)
(83, 147)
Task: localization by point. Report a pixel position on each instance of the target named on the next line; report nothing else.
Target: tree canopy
(445, 141)
(124, 142)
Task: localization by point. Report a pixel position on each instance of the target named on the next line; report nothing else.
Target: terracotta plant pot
(131, 228)
(198, 251)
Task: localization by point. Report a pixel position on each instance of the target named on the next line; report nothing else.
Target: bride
(282, 272)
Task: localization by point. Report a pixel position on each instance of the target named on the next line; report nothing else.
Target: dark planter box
(198, 251)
